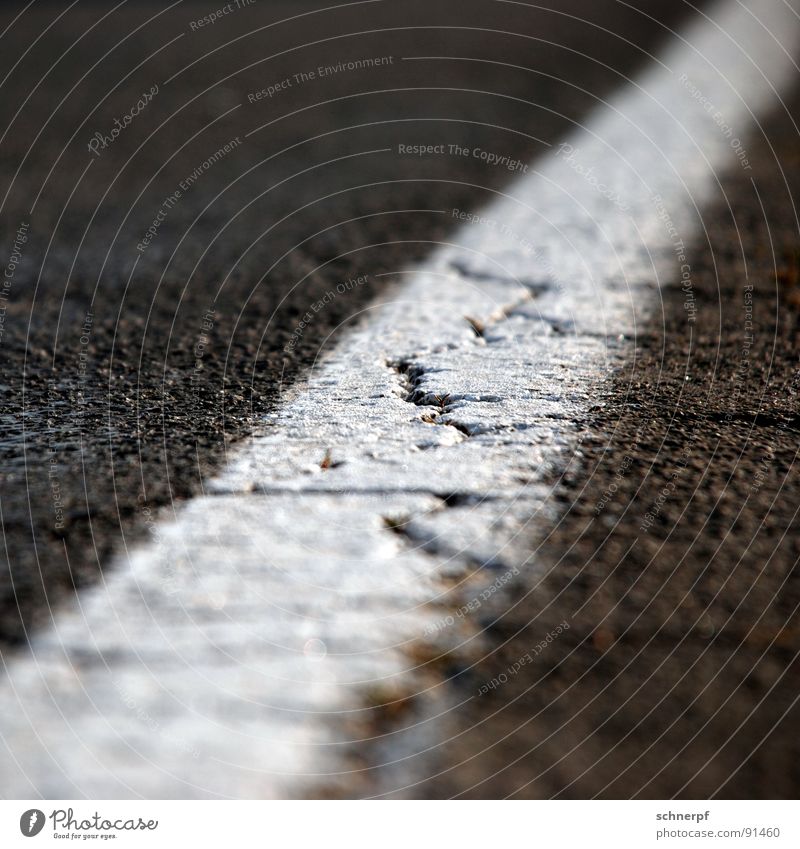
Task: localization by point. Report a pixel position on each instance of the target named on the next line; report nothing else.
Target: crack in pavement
(535, 288)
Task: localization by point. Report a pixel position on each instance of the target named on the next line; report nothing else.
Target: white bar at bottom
(401, 825)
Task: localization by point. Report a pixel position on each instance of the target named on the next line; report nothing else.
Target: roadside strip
(217, 660)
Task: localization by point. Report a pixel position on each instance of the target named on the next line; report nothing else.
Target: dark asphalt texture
(675, 562)
(127, 374)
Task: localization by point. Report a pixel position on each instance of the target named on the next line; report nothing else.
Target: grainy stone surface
(675, 558)
(300, 600)
(128, 375)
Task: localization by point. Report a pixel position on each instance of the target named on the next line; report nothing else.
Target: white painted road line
(213, 662)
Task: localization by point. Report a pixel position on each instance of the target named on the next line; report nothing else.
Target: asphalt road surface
(160, 304)
(128, 372)
(675, 561)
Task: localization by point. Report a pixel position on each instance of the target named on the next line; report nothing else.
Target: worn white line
(215, 660)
